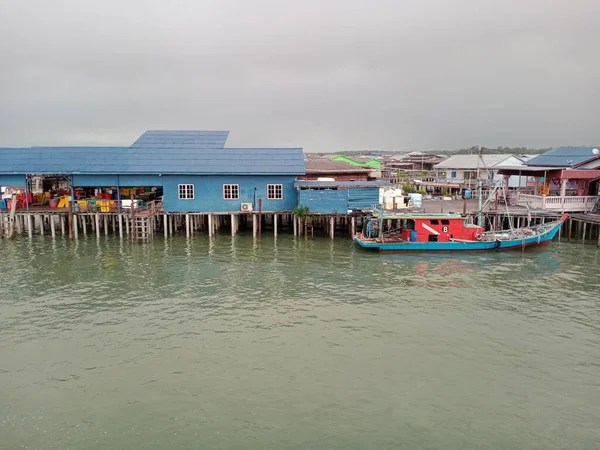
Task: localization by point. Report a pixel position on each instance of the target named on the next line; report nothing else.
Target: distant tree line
(463, 151)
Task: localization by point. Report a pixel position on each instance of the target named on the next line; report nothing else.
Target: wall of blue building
(208, 193)
(331, 201)
(117, 180)
(324, 201)
(12, 180)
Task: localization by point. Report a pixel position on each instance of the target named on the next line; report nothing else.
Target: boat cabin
(422, 228)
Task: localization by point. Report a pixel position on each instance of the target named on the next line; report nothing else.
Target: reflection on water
(234, 343)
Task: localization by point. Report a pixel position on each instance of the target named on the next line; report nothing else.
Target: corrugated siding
(140, 180)
(117, 180)
(12, 180)
(363, 198)
(325, 201)
(94, 180)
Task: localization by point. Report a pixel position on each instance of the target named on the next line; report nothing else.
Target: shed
(339, 197)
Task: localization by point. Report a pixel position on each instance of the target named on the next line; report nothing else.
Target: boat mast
(479, 192)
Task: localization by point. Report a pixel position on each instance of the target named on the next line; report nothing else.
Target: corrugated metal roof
(564, 157)
(471, 162)
(144, 160)
(182, 139)
(337, 184)
(328, 166)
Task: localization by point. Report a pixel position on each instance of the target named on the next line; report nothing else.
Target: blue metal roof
(307, 184)
(182, 139)
(148, 160)
(563, 157)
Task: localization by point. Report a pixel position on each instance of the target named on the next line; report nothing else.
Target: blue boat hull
(474, 246)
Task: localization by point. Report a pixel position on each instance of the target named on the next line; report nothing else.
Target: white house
(466, 169)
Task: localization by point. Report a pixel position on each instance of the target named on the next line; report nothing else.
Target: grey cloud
(328, 76)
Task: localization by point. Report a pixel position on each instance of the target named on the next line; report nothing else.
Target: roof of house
(359, 161)
(336, 184)
(152, 160)
(182, 139)
(471, 162)
(564, 157)
(328, 166)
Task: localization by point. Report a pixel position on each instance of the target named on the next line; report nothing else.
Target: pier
(143, 224)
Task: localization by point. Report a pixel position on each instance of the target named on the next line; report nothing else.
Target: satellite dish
(596, 151)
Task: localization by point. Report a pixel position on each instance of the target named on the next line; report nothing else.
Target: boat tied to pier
(447, 233)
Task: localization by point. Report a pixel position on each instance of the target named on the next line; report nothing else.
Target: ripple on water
(293, 344)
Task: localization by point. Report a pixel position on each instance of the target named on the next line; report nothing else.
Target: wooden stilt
(127, 225)
(254, 225)
(275, 225)
(295, 225)
(97, 219)
(211, 229)
(40, 220)
(166, 225)
(75, 226)
(570, 228)
(233, 224)
(187, 225)
(352, 226)
(120, 219)
(29, 226)
(106, 225)
(583, 234)
(332, 227)
(52, 227)
(62, 225)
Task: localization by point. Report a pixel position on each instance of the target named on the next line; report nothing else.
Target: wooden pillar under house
(332, 227)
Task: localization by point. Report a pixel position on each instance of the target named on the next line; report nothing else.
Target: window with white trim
(185, 191)
(231, 191)
(275, 191)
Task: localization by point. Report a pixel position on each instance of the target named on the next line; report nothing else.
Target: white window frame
(187, 190)
(274, 188)
(231, 188)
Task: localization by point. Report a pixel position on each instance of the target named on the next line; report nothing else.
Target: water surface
(294, 344)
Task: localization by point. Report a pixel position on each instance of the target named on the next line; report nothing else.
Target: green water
(230, 344)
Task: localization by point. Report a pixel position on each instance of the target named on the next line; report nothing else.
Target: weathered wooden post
(259, 217)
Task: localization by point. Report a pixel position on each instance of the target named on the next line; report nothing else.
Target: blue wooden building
(339, 197)
(195, 171)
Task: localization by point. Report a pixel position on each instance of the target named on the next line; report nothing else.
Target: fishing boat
(447, 233)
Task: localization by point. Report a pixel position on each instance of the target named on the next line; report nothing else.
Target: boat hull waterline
(384, 246)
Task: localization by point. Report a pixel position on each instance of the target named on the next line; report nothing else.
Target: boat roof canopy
(422, 216)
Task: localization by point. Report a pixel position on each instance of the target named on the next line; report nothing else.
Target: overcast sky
(326, 75)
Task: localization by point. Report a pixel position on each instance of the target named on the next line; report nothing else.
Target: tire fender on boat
(478, 236)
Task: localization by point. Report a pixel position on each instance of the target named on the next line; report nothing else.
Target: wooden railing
(558, 203)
